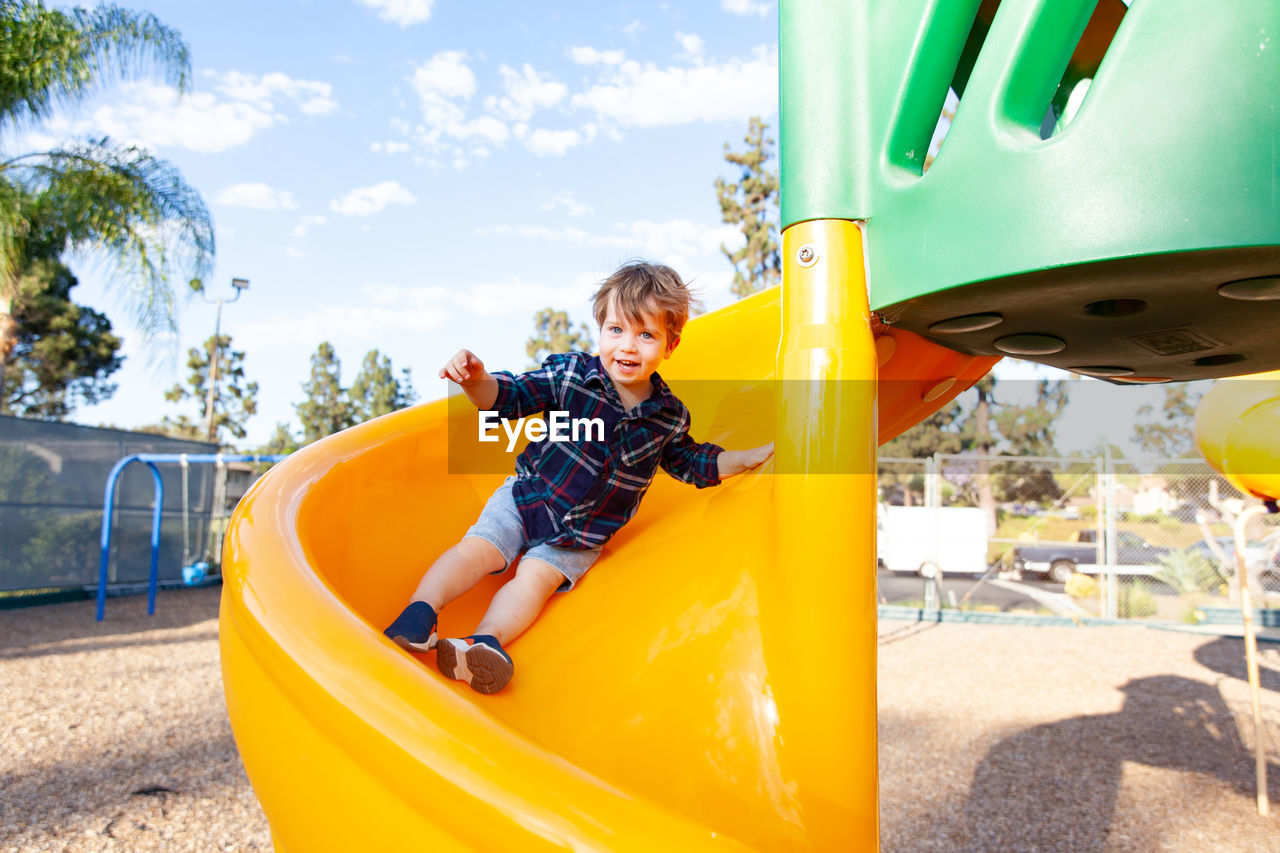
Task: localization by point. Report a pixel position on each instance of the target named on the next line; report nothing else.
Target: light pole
(239, 285)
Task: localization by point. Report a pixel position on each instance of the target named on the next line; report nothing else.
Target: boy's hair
(639, 287)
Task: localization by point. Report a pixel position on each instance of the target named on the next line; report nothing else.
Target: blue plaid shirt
(577, 494)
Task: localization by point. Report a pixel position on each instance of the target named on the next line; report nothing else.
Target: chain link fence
(1073, 537)
(52, 477)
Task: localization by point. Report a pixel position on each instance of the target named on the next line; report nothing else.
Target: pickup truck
(1059, 560)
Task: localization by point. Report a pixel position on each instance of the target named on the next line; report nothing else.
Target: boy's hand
(464, 368)
(733, 462)
(756, 456)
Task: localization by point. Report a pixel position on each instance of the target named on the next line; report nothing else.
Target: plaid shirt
(577, 494)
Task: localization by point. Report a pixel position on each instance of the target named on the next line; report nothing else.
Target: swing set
(193, 572)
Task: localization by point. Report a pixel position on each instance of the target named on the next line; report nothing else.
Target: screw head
(806, 256)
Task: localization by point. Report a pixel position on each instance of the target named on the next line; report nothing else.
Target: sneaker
(478, 660)
(415, 628)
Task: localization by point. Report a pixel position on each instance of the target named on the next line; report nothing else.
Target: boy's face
(630, 351)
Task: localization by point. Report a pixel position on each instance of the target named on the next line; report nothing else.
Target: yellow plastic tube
(709, 686)
(1237, 430)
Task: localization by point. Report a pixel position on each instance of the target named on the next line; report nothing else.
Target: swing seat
(194, 574)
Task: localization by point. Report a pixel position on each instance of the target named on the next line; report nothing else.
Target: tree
(554, 333)
(1171, 434)
(937, 433)
(376, 391)
(93, 194)
(234, 403)
(327, 408)
(282, 441)
(63, 353)
(985, 427)
(752, 204)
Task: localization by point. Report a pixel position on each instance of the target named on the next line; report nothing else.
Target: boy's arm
(734, 462)
(476, 382)
(509, 395)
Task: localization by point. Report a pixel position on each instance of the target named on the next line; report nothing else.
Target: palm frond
(130, 206)
(50, 57)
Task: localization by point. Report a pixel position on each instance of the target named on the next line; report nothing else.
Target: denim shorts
(500, 525)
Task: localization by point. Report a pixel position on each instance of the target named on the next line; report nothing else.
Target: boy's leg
(452, 574)
(457, 570)
(520, 600)
(479, 659)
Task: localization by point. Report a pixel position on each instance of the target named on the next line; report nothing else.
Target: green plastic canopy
(1139, 239)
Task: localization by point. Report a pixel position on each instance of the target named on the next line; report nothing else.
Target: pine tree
(282, 441)
(376, 390)
(752, 204)
(978, 422)
(235, 400)
(64, 352)
(553, 332)
(1171, 434)
(327, 408)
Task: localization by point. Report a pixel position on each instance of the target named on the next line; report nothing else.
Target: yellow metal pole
(826, 505)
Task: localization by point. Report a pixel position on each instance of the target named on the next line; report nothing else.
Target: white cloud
(441, 82)
(746, 7)
(576, 236)
(554, 143)
(526, 91)
(293, 252)
(366, 201)
(257, 196)
(676, 241)
(154, 116)
(359, 322)
(241, 105)
(591, 56)
(568, 202)
(514, 298)
(307, 223)
(446, 75)
(691, 44)
(267, 90)
(389, 148)
(639, 95)
(403, 13)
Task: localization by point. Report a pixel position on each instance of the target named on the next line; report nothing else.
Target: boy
(568, 498)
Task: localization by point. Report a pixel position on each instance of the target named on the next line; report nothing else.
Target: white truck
(924, 539)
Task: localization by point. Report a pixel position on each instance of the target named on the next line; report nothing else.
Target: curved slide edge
(350, 742)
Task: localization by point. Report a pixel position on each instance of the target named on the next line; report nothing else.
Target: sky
(419, 176)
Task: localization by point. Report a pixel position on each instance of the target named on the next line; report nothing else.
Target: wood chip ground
(114, 736)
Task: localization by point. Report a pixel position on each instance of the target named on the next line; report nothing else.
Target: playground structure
(151, 460)
(713, 685)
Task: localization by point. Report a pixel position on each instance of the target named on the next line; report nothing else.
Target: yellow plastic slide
(709, 685)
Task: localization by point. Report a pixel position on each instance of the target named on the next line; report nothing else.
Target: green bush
(1187, 572)
(1089, 512)
(1136, 601)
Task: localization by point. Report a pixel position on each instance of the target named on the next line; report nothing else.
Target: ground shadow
(71, 625)
(1226, 655)
(1055, 786)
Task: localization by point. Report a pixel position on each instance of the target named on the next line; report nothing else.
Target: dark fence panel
(52, 477)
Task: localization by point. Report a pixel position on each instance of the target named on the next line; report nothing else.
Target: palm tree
(93, 195)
